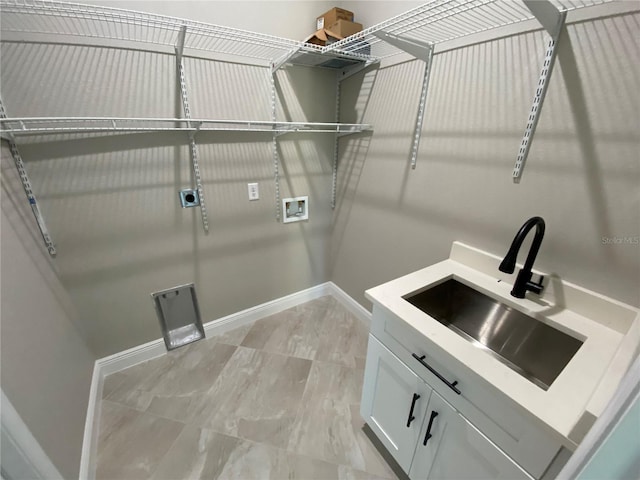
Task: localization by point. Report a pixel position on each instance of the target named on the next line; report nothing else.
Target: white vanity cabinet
(492, 420)
(394, 402)
(450, 447)
(404, 411)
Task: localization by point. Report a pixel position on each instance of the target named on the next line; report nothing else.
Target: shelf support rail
(422, 51)
(336, 148)
(353, 69)
(553, 21)
(274, 142)
(193, 147)
(278, 63)
(28, 189)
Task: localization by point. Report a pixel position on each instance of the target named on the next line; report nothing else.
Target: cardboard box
(322, 37)
(344, 28)
(339, 30)
(332, 16)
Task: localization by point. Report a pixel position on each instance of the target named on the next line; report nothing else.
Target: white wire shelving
(420, 30)
(51, 21)
(440, 21)
(55, 19)
(417, 32)
(56, 125)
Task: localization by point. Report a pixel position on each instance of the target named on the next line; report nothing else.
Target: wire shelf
(444, 20)
(61, 19)
(52, 125)
(434, 22)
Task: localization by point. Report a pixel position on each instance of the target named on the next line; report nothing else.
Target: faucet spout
(523, 281)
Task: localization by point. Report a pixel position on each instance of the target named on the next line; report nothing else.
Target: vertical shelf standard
(336, 147)
(553, 21)
(193, 147)
(274, 140)
(28, 189)
(422, 51)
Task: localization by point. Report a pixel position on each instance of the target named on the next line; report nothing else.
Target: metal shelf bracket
(28, 189)
(193, 147)
(421, 107)
(553, 21)
(353, 69)
(421, 51)
(415, 48)
(278, 63)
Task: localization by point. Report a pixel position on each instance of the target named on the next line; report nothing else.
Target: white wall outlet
(254, 192)
(295, 209)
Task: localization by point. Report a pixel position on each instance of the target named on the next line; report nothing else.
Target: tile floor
(277, 399)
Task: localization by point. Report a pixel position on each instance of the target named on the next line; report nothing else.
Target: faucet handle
(536, 287)
(524, 283)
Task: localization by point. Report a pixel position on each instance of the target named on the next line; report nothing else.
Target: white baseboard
(349, 303)
(156, 348)
(90, 439)
(252, 314)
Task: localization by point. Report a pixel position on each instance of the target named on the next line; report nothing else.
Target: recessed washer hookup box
(179, 315)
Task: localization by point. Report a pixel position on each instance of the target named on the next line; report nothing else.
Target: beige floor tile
(256, 396)
(347, 473)
(330, 381)
(233, 337)
(132, 443)
(329, 425)
(204, 454)
(343, 338)
(332, 431)
(275, 399)
(171, 385)
(287, 333)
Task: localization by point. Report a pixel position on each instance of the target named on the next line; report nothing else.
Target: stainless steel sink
(535, 350)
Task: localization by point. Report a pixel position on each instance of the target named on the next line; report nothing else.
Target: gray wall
(295, 19)
(46, 365)
(582, 176)
(111, 202)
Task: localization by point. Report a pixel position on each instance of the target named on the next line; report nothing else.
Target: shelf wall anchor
(553, 21)
(422, 51)
(274, 142)
(28, 189)
(336, 148)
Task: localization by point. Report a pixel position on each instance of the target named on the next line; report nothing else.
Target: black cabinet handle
(434, 414)
(452, 386)
(413, 404)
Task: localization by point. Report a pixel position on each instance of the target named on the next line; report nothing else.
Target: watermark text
(621, 240)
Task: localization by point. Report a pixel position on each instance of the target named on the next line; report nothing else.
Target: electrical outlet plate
(189, 198)
(295, 209)
(254, 192)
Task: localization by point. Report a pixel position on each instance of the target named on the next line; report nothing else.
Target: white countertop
(610, 331)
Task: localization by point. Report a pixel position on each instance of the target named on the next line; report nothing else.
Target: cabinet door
(394, 401)
(455, 449)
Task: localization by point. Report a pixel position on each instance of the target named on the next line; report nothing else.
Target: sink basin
(534, 349)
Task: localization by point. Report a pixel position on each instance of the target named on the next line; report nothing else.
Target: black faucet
(523, 281)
